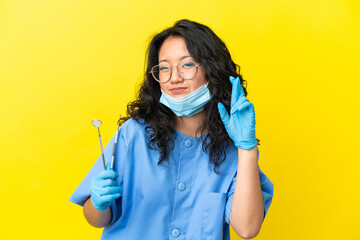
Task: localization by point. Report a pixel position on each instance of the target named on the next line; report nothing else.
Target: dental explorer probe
(114, 149)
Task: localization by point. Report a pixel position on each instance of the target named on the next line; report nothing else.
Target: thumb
(113, 174)
(223, 114)
(108, 166)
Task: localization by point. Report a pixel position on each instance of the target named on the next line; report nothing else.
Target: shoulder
(131, 128)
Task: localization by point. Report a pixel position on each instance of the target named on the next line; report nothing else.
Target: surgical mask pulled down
(189, 104)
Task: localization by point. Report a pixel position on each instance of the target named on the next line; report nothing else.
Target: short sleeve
(82, 192)
(267, 189)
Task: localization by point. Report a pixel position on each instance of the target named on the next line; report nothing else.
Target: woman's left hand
(240, 125)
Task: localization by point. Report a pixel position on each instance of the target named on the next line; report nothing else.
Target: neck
(190, 125)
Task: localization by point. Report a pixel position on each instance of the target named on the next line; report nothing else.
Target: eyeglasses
(186, 69)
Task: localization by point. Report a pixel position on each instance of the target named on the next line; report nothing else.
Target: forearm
(95, 217)
(247, 211)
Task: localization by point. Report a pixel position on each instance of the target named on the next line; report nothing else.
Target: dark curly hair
(211, 53)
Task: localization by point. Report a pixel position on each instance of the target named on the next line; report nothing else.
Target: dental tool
(97, 123)
(116, 139)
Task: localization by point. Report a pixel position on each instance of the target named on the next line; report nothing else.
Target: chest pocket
(213, 215)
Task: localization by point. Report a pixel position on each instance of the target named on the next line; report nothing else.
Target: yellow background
(65, 62)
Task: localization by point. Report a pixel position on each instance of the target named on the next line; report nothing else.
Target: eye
(164, 68)
(188, 65)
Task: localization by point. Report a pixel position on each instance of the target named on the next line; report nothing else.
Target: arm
(103, 189)
(96, 218)
(247, 210)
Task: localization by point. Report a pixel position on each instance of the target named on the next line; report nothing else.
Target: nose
(175, 76)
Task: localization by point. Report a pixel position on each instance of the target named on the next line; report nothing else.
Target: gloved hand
(104, 188)
(240, 125)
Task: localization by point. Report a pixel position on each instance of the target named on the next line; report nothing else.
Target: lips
(178, 90)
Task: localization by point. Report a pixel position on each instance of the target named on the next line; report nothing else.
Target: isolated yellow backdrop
(65, 62)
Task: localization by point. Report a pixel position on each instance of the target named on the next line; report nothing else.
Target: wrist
(252, 149)
(246, 145)
(100, 207)
(250, 155)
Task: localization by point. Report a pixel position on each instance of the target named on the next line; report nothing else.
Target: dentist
(186, 164)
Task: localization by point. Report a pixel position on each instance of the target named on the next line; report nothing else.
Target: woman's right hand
(104, 188)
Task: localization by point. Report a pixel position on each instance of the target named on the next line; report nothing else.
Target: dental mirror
(97, 123)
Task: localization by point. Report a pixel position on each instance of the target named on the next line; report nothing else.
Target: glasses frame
(177, 68)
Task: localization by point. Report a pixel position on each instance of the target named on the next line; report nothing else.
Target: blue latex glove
(240, 125)
(104, 188)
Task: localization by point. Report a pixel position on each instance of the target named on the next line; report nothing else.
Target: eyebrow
(164, 60)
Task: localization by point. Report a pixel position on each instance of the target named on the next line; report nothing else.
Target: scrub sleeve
(82, 192)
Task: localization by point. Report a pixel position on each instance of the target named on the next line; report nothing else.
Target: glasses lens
(187, 69)
(164, 72)
(161, 72)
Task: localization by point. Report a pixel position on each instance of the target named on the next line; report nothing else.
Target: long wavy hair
(211, 53)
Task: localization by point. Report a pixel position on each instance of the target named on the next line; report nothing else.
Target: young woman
(186, 162)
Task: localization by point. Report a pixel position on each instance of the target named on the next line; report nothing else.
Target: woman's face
(173, 51)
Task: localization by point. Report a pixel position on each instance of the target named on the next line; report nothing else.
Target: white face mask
(189, 104)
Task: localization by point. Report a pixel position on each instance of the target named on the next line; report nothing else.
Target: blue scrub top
(182, 199)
